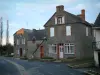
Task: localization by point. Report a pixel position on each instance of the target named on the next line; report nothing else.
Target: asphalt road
(7, 68)
(45, 68)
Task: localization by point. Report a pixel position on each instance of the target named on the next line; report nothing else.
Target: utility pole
(7, 33)
(1, 30)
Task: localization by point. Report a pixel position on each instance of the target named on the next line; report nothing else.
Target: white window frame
(54, 51)
(87, 31)
(17, 41)
(69, 51)
(23, 41)
(68, 30)
(60, 20)
(52, 32)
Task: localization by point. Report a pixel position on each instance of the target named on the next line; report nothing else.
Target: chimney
(59, 8)
(83, 14)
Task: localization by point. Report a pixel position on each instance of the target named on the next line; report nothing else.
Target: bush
(23, 58)
(47, 58)
(8, 55)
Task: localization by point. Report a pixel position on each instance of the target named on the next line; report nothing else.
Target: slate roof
(97, 22)
(38, 34)
(79, 20)
(26, 30)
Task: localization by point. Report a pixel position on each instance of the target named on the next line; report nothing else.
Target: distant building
(69, 35)
(26, 42)
(96, 31)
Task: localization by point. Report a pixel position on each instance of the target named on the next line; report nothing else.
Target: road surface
(43, 68)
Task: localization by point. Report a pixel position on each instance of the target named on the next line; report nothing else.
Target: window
(24, 52)
(59, 20)
(86, 31)
(23, 41)
(18, 52)
(17, 41)
(68, 30)
(69, 48)
(51, 32)
(54, 48)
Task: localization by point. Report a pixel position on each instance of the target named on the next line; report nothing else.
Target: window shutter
(55, 20)
(63, 20)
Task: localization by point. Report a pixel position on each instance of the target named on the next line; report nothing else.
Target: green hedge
(47, 58)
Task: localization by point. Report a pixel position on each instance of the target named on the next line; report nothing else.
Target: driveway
(45, 68)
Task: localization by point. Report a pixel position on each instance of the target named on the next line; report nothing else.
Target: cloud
(19, 13)
(77, 7)
(98, 5)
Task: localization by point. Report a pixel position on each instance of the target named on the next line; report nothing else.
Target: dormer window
(59, 20)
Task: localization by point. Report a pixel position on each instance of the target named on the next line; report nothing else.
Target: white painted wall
(97, 37)
(96, 58)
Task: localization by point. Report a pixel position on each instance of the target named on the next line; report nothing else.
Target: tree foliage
(6, 49)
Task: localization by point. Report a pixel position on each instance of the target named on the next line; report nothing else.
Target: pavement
(40, 68)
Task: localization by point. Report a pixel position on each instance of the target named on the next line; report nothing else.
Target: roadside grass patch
(90, 72)
(47, 59)
(81, 63)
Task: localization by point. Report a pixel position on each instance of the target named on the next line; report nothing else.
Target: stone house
(27, 41)
(68, 35)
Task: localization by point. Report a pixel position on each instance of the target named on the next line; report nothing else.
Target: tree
(6, 49)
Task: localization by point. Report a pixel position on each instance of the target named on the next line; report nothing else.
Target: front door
(41, 52)
(20, 51)
(61, 54)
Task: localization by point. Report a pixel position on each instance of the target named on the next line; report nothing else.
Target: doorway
(20, 51)
(41, 52)
(61, 53)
